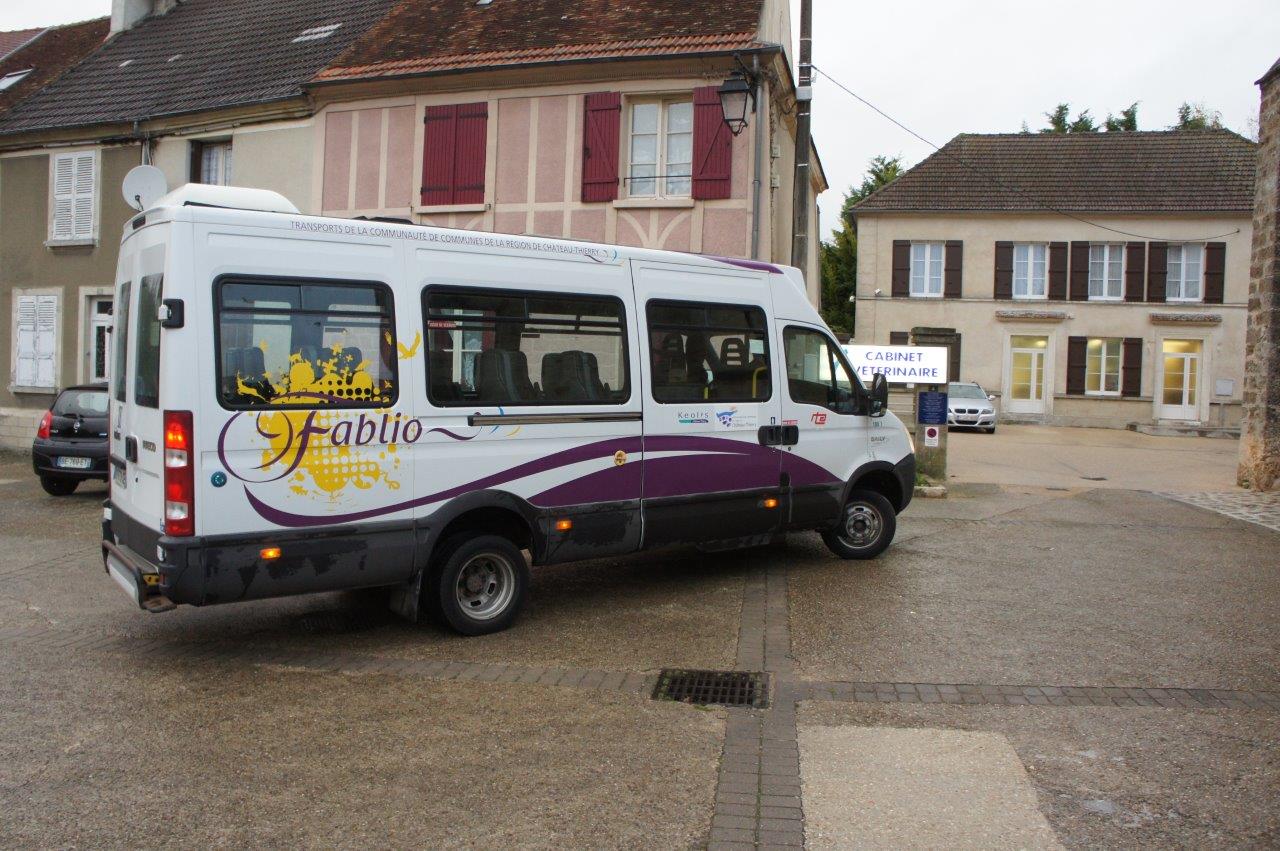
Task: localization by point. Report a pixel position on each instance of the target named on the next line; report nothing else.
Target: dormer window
(10, 80)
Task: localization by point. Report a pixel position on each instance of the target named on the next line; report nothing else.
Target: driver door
(824, 401)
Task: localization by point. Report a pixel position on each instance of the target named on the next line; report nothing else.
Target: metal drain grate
(723, 688)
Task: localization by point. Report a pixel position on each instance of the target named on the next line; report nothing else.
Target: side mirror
(879, 395)
(991, 397)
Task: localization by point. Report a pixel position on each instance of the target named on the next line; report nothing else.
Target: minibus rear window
(121, 352)
(146, 379)
(712, 352)
(305, 344)
(492, 347)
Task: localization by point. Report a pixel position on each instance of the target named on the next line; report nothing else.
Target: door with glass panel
(1180, 385)
(98, 342)
(1025, 385)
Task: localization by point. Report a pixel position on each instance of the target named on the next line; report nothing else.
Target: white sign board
(931, 436)
(899, 364)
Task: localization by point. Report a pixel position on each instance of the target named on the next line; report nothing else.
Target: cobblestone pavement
(1250, 506)
(354, 729)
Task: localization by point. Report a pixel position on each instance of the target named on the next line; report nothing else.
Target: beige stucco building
(1096, 279)
(599, 124)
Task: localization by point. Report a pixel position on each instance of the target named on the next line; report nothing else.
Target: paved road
(1106, 663)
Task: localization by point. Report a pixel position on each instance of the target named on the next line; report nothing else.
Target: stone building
(1260, 431)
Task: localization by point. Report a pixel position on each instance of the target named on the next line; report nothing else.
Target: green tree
(1127, 121)
(1196, 116)
(1060, 121)
(839, 257)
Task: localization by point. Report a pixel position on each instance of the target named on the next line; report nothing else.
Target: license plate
(118, 479)
(74, 463)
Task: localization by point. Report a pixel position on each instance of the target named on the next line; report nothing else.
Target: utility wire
(997, 182)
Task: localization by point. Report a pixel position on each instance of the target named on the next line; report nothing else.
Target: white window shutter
(25, 375)
(63, 197)
(85, 183)
(46, 339)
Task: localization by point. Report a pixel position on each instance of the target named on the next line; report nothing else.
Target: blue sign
(931, 407)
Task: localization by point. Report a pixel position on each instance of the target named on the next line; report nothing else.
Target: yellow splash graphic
(326, 469)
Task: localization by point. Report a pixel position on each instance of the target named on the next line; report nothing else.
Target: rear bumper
(44, 455)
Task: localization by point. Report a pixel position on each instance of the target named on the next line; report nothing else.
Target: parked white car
(969, 406)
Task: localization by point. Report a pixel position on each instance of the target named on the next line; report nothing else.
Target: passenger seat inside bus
(572, 376)
(502, 375)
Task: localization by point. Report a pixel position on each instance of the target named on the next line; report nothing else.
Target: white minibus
(303, 404)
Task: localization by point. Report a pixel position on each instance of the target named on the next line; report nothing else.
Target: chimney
(126, 14)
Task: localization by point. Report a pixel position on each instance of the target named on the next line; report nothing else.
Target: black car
(71, 445)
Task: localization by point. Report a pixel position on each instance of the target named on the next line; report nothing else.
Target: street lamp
(733, 101)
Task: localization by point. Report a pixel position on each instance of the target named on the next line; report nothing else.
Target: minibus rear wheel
(478, 585)
(866, 526)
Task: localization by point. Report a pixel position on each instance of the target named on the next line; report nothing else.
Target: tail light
(179, 474)
(46, 423)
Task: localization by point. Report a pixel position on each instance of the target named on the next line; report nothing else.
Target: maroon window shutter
(602, 126)
(438, 154)
(470, 150)
(712, 147)
(1131, 367)
(952, 268)
(1058, 271)
(1077, 348)
(899, 338)
(901, 268)
(1004, 270)
(1215, 266)
(1079, 271)
(1157, 270)
(1135, 270)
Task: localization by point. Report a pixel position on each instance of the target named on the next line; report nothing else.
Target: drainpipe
(759, 155)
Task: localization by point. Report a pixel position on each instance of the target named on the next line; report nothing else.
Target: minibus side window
(703, 351)
(499, 347)
(146, 377)
(121, 342)
(817, 373)
(305, 344)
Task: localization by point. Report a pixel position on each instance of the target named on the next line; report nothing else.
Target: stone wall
(1260, 435)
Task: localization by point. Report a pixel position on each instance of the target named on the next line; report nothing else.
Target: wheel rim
(862, 525)
(485, 586)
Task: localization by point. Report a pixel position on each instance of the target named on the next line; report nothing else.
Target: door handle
(790, 435)
(770, 435)
(131, 449)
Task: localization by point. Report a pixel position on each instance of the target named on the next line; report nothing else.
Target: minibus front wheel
(866, 526)
(478, 585)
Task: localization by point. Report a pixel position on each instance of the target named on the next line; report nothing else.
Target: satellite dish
(143, 186)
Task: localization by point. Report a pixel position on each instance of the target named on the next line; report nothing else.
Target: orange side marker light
(564, 525)
(269, 553)
(770, 502)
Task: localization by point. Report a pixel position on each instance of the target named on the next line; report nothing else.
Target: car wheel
(866, 528)
(991, 430)
(58, 487)
(478, 585)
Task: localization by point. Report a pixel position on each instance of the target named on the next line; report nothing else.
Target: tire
(991, 430)
(58, 487)
(478, 584)
(866, 528)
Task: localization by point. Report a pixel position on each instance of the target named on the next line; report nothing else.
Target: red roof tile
(49, 57)
(425, 36)
(13, 39)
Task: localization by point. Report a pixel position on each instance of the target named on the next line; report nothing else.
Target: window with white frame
(1186, 271)
(926, 269)
(215, 163)
(35, 341)
(661, 150)
(1106, 271)
(1030, 270)
(12, 79)
(74, 206)
(1102, 367)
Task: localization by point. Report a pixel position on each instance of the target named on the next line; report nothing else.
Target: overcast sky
(944, 67)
